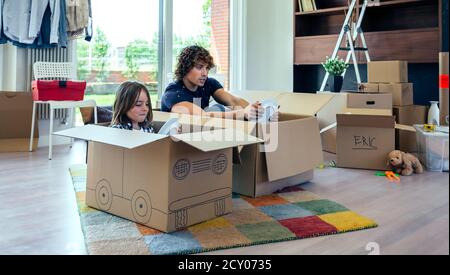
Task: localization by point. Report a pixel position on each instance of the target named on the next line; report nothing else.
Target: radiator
(48, 55)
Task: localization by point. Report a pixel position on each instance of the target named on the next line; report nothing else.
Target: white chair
(57, 71)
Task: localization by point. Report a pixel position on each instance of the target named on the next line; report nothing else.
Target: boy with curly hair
(192, 90)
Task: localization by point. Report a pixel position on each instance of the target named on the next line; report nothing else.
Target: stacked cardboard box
(365, 131)
(443, 86)
(392, 78)
(16, 109)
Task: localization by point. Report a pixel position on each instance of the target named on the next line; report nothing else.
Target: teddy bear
(404, 164)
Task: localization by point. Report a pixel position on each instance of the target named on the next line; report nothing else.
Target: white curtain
(13, 68)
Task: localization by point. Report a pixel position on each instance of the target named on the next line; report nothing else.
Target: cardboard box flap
(356, 120)
(297, 150)
(253, 96)
(207, 122)
(302, 104)
(208, 141)
(405, 128)
(373, 112)
(111, 136)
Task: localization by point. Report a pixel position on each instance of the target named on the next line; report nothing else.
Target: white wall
(269, 45)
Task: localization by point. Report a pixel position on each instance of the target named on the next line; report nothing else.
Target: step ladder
(351, 40)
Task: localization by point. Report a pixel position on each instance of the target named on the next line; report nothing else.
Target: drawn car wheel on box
(141, 206)
(103, 195)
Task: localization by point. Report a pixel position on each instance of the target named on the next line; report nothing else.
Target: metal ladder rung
(360, 49)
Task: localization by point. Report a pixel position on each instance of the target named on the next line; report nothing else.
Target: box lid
(295, 149)
(372, 112)
(252, 96)
(360, 120)
(208, 141)
(111, 136)
(302, 103)
(290, 103)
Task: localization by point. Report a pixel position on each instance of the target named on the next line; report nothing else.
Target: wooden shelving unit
(395, 30)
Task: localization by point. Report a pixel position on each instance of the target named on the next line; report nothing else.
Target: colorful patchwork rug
(288, 215)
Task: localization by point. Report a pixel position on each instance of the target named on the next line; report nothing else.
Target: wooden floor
(38, 213)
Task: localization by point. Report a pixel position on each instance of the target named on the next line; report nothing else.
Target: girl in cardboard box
(133, 108)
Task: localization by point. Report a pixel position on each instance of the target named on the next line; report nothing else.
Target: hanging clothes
(77, 15)
(79, 19)
(62, 31)
(22, 20)
(3, 38)
(44, 23)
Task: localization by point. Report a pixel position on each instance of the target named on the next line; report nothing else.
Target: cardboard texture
(327, 117)
(258, 170)
(370, 88)
(369, 101)
(298, 152)
(364, 141)
(16, 109)
(402, 93)
(408, 115)
(387, 72)
(443, 85)
(164, 183)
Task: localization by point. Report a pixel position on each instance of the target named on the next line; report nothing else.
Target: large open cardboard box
(16, 109)
(292, 149)
(265, 169)
(167, 183)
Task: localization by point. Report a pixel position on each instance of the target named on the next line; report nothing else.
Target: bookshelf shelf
(395, 30)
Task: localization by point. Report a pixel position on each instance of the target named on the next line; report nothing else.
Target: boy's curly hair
(191, 56)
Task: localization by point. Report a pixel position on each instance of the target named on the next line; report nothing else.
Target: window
(204, 23)
(124, 47)
(126, 40)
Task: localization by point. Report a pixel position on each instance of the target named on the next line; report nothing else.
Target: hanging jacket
(63, 25)
(77, 14)
(22, 19)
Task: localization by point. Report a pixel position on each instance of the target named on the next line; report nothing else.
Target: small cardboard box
(370, 88)
(167, 183)
(402, 93)
(387, 72)
(369, 101)
(16, 109)
(340, 103)
(408, 115)
(365, 138)
(443, 85)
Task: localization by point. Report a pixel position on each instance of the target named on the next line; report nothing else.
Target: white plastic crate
(433, 149)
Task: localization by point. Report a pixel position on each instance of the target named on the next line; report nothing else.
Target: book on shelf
(300, 8)
(307, 5)
(314, 4)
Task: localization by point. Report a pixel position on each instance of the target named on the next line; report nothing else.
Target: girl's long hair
(126, 97)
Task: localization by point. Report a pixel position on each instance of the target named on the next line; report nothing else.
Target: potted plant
(335, 67)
